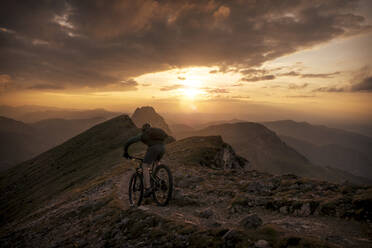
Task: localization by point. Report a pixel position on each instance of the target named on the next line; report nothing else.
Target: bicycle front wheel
(162, 183)
(135, 189)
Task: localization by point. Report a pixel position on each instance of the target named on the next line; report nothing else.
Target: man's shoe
(148, 192)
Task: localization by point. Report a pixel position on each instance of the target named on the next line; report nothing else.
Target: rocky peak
(210, 151)
(147, 114)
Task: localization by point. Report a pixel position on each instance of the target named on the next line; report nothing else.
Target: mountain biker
(154, 138)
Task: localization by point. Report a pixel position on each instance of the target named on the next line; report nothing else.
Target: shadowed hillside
(80, 199)
(267, 152)
(19, 142)
(30, 184)
(328, 146)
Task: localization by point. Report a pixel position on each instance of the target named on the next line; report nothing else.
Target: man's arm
(131, 141)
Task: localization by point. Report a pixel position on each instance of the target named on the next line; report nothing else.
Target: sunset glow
(280, 60)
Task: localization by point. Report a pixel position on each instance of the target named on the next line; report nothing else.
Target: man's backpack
(153, 135)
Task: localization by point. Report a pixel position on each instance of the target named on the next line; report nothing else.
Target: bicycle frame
(139, 169)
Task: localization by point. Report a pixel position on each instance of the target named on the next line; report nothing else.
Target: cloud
(364, 85)
(320, 75)
(76, 43)
(127, 85)
(297, 86)
(218, 91)
(329, 89)
(171, 87)
(300, 96)
(255, 79)
(5, 81)
(181, 78)
(145, 85)
(46, 87)
(309, 75)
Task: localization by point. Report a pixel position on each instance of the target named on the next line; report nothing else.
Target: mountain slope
(322, 135)
(335, 156)
(56, 131)
(213, 206)
(267, 152)
(83, 157)
(148, 114)
(328, 146)
(21, 141)
(18, 142)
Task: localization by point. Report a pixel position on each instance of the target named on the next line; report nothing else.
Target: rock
(283, 210)
(207, 213)
(251, 221)
(232, 237)
(305, 210)
(262, 244)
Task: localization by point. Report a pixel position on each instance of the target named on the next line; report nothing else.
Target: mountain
(328, 146)
(181, 130)
(219, 122)
(30, 114)
(268, 153)
(73, 162)
(148, 114)
(333, 155)
(322, 135)
(56, 131)
(75, 195)
(19, 142)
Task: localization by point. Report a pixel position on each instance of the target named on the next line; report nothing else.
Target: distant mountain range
(326, 146)
(31, 114)
(21, 141)
(267, 152)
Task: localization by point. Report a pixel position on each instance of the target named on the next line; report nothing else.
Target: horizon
(301, 61)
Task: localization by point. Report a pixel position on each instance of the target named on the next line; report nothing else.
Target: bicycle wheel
(135, 189)
(162, 182)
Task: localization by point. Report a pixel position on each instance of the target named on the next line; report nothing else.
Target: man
(154, 138)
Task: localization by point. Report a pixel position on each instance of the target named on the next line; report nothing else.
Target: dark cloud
(320, 75)
(79, 43)
(127, 85)
(255, 79)
(291, 73)
(171, 87)
(181, 78)
(364, 85)
(309, 75)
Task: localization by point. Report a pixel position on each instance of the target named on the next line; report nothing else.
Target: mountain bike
(161, 181)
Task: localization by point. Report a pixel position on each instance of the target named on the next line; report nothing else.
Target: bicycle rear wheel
(162, 183)
(135, 189)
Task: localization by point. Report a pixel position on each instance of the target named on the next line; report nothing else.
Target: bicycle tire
(132, 188)
(157, 187)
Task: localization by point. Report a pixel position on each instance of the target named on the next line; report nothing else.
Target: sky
(247, 59)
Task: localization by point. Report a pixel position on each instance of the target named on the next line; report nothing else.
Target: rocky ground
(224, 205)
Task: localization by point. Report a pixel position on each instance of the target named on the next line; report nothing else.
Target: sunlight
(190, 93)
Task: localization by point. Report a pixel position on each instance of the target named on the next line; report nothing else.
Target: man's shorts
(154, 153)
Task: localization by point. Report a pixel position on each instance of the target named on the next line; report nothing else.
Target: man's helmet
(146, 126)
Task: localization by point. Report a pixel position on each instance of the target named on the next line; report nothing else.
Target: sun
(190, 93)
